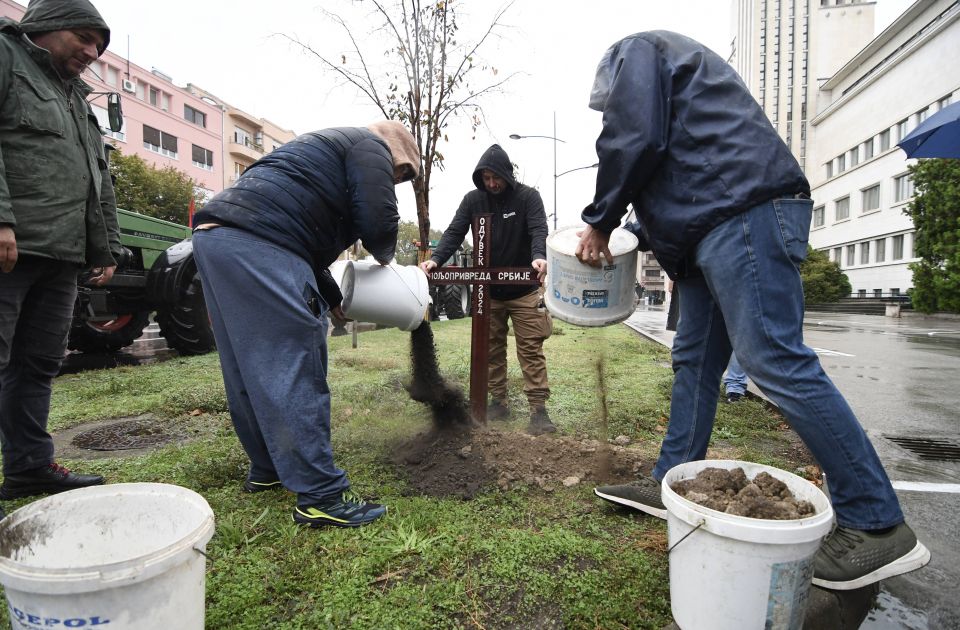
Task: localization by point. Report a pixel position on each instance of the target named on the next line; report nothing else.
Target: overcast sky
(232, 48)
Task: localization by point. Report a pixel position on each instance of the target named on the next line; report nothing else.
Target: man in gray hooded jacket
(57, 215)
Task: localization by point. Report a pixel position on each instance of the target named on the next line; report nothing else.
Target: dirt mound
(462, 463)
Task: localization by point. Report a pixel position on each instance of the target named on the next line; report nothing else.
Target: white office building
(857, 172)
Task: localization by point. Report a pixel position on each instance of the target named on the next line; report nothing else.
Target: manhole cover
(929, 448)
(125, 435)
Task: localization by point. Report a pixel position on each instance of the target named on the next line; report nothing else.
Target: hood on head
(494, 159)
(402, 145)
(600, 91)
(43, 16)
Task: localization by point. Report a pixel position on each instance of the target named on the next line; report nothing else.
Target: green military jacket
(55, 186)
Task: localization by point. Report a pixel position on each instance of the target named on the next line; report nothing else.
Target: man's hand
(337, 313)
(541, 266)
(101, 275)
(593, 243)
(427, 266)
(8, 249)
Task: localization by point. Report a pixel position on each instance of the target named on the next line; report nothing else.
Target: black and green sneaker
(260, 486)
(642, 495)
(850, 558)
(347, 510)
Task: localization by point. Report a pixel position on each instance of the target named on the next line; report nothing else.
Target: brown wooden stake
(481, 276)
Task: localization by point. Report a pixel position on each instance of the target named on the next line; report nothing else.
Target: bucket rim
(16, 575)
(749, 529)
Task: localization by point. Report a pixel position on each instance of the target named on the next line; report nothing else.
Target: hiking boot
(498, 410)
(347, 510)
(540, 422)
(49, 479)
(643, 495)
(734, 397)
(260, 486)
(851, 558)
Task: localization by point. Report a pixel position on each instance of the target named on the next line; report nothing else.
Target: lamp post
(515, 136)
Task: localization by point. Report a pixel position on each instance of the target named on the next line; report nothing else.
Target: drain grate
(929, 448)
(125, 435)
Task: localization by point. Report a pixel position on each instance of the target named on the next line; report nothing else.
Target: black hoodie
(518, 228)
(43, 16)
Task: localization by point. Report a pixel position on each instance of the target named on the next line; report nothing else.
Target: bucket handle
(699, 525)
(393, 267)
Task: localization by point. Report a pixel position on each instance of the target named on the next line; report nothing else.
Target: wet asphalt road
(902, 379)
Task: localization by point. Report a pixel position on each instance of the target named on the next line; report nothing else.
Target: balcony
(245, 148)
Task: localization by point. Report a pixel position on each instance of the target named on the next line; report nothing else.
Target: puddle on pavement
(889, 613)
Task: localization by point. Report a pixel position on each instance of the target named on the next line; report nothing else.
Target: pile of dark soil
(450, 463)
(730, 491)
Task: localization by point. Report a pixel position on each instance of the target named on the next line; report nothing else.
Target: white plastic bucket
(117, 556)
(590, 296)
(391, 295)
(734, 572)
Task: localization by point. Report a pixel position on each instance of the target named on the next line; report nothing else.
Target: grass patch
(507, 559)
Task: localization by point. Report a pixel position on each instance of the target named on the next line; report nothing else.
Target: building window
(164, 101)
(868, 149)
(842, 209)
(841, 162)
(884, 140)
(861, 293)
(865, 253)
(898, 247)
(854, 156)
(154, 97)
(881, 244)
(195, 116)
(140, 93)
(829, 169)
(901, 130)
(202, 158)
(922, 115)
(651, 273)
(877, 293)
(838, 255)
(902, 188)
(818, 217)
(242, 136)
(238, 170)
(870, 198)
(894, 292)
(851, 255)
(111, 78)
(159, 142)
(943, 102)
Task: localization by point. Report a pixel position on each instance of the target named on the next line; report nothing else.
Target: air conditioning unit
(129, 86)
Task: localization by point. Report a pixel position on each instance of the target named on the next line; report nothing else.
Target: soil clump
(730, 491)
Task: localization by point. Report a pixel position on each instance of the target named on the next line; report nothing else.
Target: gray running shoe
(643, 495)
(850, 558)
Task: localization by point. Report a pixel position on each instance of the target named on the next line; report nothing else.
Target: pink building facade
(164, 124)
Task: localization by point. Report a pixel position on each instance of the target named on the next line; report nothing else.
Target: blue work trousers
(760, 315)
(271, 329)
(735, 379)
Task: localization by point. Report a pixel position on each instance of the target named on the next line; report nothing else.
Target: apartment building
(858, 174)
(783, 48)
(246, 138)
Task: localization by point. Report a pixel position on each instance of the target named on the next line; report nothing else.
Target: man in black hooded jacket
(518, 238)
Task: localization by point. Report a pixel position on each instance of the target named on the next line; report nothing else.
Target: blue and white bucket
(591, 296)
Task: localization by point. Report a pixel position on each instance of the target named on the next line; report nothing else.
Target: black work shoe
(642, 495)
(540, 422)
(850, 558)
(49, 479)
(734, 397)
(347, 510)
(260, 486)
(498, 410)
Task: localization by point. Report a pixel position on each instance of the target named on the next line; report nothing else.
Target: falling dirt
(447, 402)
(730, 491)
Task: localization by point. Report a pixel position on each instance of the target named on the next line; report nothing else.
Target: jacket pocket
(40, 106)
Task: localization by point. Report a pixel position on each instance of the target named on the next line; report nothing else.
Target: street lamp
(515, 136)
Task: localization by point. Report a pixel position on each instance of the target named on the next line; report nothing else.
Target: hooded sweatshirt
(55, 188)
(518, 226)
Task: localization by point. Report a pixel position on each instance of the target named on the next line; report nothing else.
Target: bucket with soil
(731, 570)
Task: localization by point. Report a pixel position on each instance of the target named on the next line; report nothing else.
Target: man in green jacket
(57, 216)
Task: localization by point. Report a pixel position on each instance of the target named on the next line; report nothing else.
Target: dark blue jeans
(750, 298)
(271, 330)
(36, 310)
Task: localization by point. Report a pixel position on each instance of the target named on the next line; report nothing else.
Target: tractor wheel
(107, 336)
(455, 300)
(186, 325)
